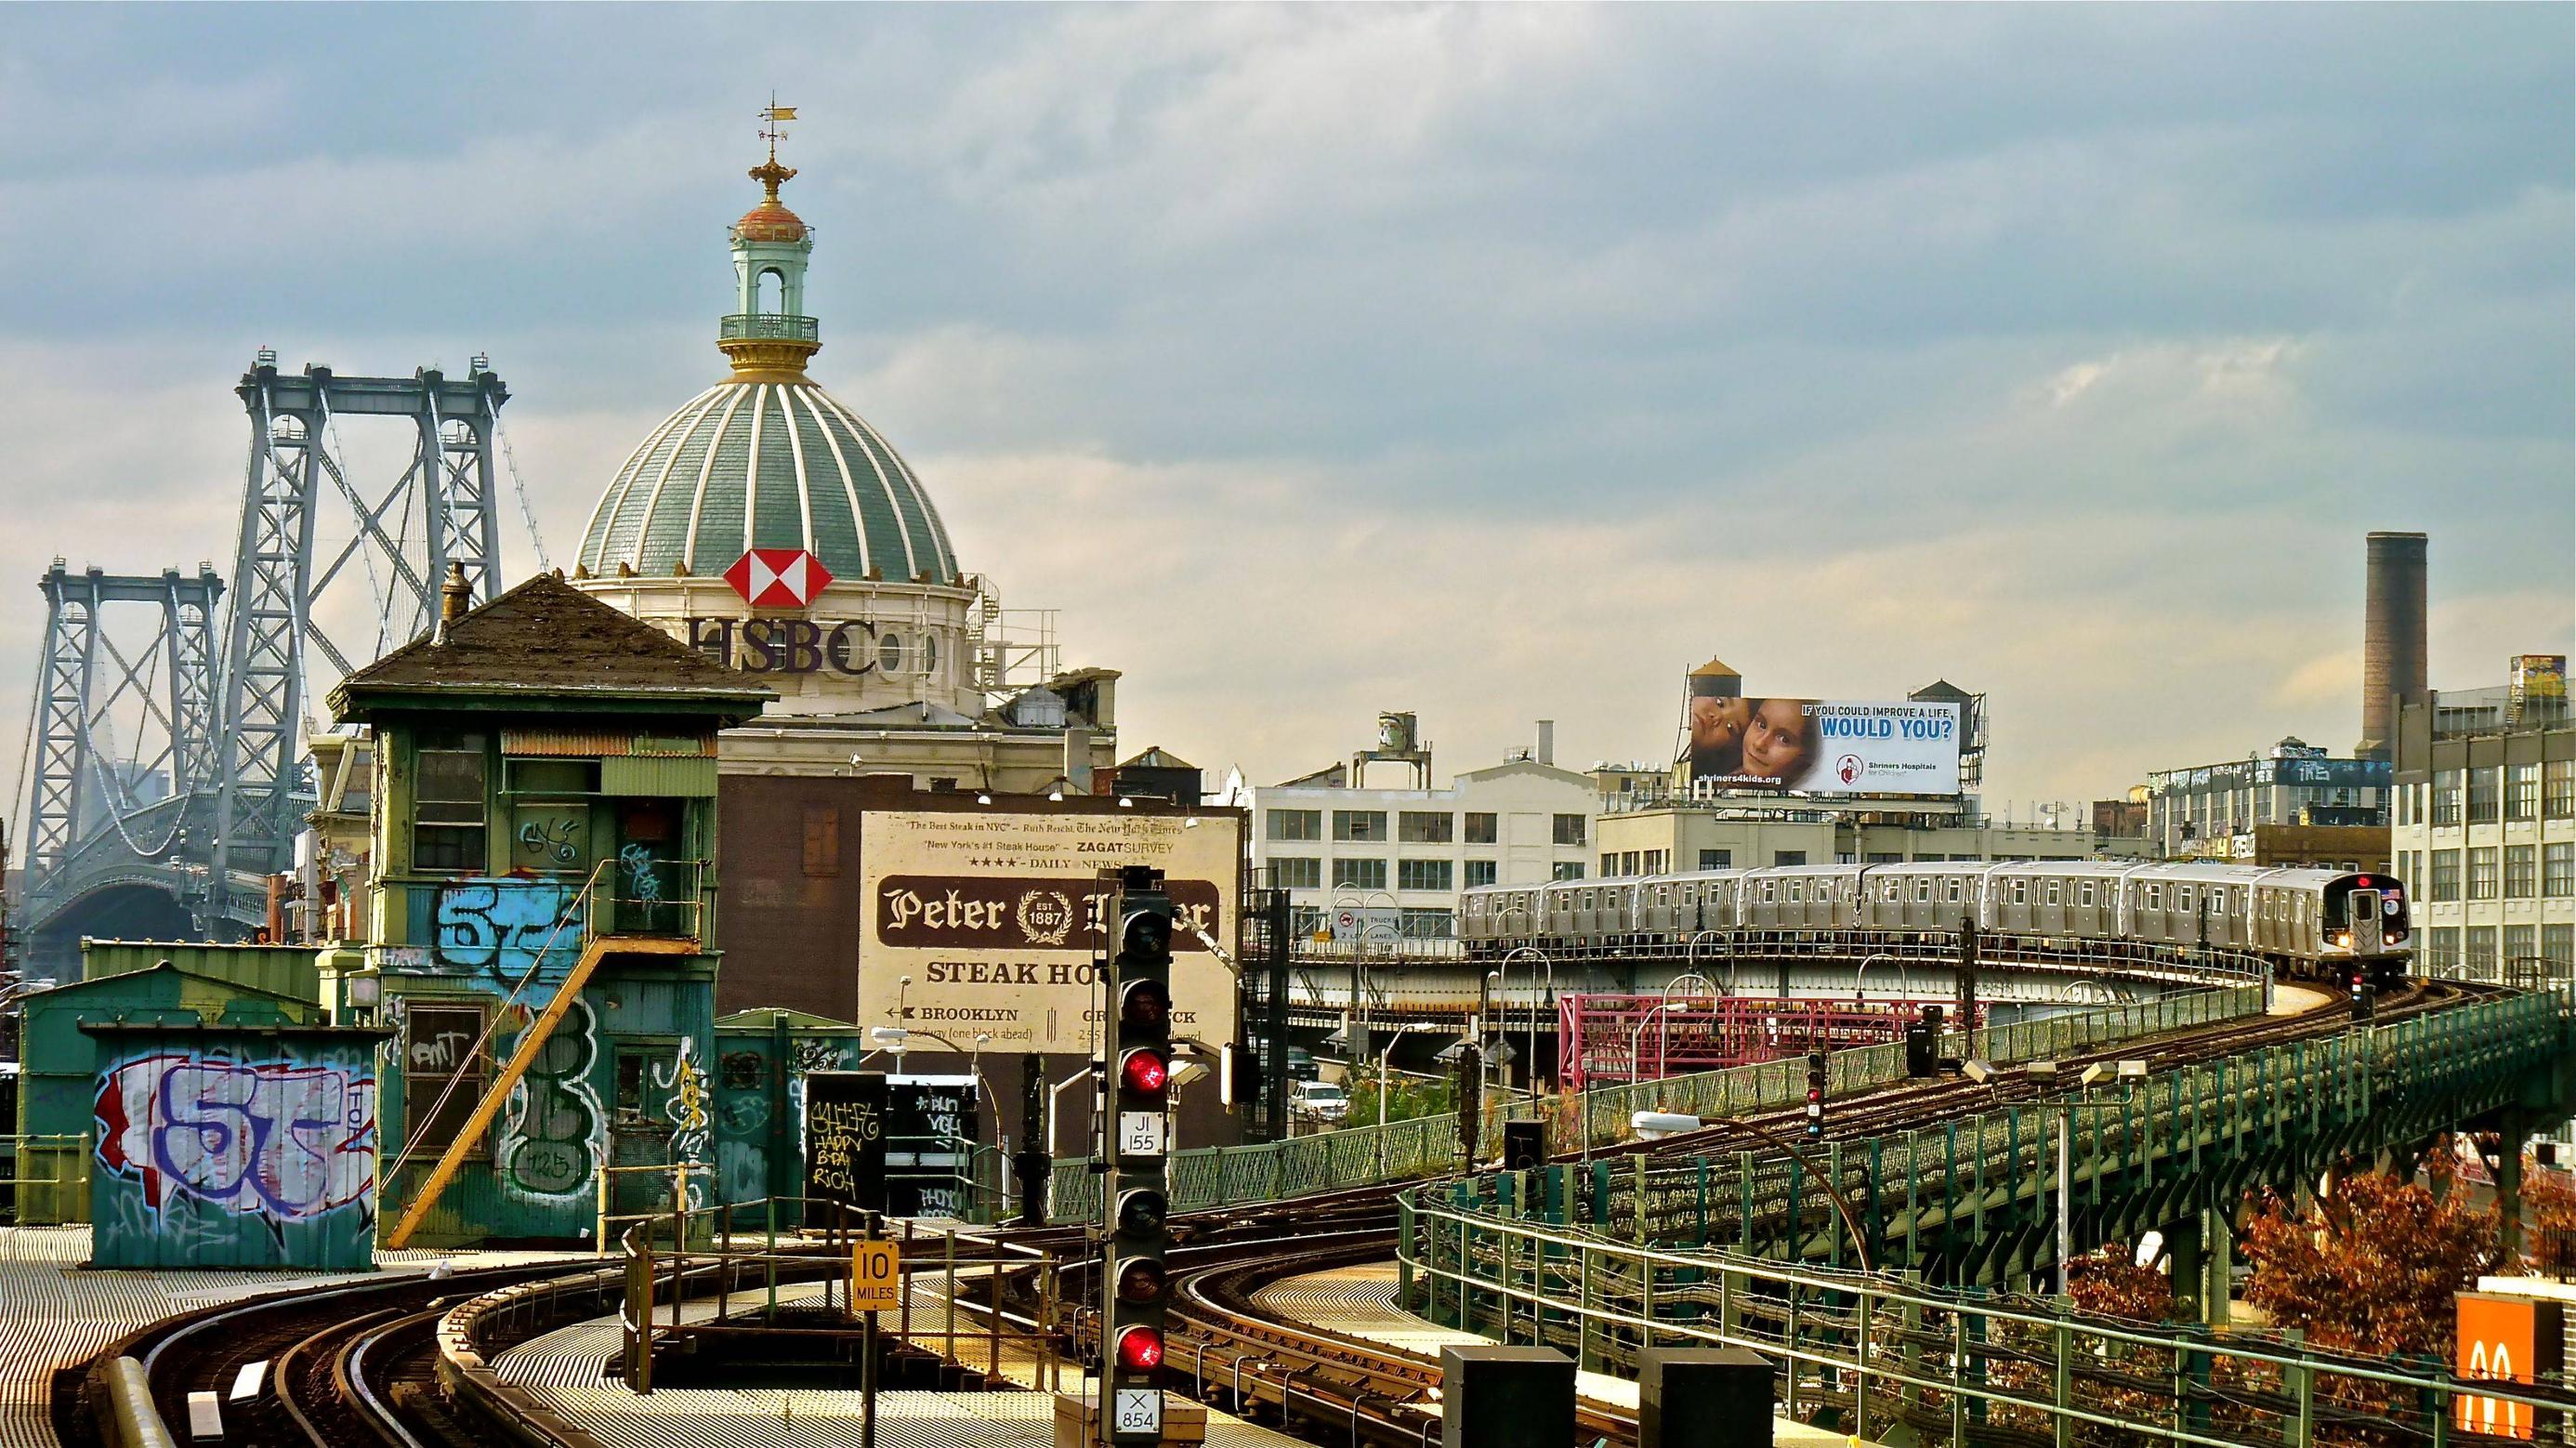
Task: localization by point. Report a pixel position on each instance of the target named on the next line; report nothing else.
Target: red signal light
(1145, 1072)
(1140, 1349)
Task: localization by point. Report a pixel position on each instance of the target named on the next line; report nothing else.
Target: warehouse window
(1568, 870)
(1425, 827)
(2522, 791)
(2558, 870)
(1296, 824)
(1359, 874)
(1359, 824)
(2558, 947)
(1569, 829)
(2483, 874)
(2558, 789)
(1788, 857)
(1426, 924)
(2521, 872)
(2486, 790)
(1479, 872)
(1480, 829)
(1717, 859)
(1422, 875)
(2446, 797)
(2481, 961)
(2443, 950)
(1296, 872)
(2445, 885)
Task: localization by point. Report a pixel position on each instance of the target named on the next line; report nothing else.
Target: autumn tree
(2110, 1283)
(2370, 1268)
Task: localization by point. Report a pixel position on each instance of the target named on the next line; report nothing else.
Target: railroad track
(289, 1338)
(357, 1364)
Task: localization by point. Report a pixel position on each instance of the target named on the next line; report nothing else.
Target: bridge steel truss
(84, 676)
(448, 492)
(1745, 1250)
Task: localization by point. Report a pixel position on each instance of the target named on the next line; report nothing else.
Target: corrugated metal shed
(234, 1147)
(57, 1091)
(287, 970)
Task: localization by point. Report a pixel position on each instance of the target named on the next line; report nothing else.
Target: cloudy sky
(1495, 363)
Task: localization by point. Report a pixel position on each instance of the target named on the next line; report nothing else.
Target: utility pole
(1967, 1003)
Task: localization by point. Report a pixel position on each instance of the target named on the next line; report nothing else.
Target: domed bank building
(768, 525)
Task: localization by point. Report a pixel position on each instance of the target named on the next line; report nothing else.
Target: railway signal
(1815, 1095)
(1138, 992)
(1923, 1043)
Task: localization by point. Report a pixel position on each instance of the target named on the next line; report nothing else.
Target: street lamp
(1690, 956)
(2066, 1108)
(1637, 1038)
(1386, 1055)
(1903, 990)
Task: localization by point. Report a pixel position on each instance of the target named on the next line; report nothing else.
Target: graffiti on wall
(554, 1133)
(643, 873)
(503, 929)
(286, 1141)
(687, 1108)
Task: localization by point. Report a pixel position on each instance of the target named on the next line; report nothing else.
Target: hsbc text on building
(787, 645)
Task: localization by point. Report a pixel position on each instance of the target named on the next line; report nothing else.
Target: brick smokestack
(2392, 637)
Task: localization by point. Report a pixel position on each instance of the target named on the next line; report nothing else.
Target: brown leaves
(2111, 1284)
(2371, 1268)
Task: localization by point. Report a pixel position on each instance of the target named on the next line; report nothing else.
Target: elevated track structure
(167, 770)
(1902, 1341)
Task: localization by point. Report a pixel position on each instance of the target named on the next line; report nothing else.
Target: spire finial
(770, 173)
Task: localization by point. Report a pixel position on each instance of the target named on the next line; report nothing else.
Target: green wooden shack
(544, 809)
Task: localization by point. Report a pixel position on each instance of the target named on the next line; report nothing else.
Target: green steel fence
(1429, 1146)
(1883, 1354)
(2136, 1149)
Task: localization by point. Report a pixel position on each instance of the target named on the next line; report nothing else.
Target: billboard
(996, 915)
(2506, 1339)
(1821, 746)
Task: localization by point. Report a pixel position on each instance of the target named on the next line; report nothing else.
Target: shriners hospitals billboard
(1819, 746)
(997, 916)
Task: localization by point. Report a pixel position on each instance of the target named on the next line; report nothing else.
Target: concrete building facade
(2293, 782)
(2485, 830)
(1387, 864)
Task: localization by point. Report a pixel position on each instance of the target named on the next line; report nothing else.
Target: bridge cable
(518, 484)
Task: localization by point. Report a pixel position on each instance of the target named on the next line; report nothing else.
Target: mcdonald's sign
(2511, 1340)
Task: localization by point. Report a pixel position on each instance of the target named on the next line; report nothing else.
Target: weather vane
(773, 113)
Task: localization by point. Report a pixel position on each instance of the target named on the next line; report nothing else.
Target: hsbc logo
(778, 577)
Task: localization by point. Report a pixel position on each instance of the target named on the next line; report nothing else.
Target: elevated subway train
(2311, 923)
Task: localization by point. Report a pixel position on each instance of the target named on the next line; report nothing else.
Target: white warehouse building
(1384, 866)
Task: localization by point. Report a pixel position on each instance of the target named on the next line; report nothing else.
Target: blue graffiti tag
(506, 927)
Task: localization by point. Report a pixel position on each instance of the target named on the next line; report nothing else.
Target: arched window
(773, 292)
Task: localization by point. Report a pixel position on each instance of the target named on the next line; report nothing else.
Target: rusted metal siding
(593, 743)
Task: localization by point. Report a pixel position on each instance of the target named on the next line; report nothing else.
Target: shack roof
(546, 638)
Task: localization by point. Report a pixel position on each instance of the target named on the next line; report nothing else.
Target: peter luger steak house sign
(998, 917)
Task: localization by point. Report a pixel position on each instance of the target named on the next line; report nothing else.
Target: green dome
(767, 464)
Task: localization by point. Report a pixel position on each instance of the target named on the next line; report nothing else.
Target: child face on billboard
(1775, 742)
(1717, 725)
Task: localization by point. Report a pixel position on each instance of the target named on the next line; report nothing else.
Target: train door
(2361, 907)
